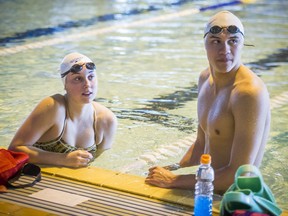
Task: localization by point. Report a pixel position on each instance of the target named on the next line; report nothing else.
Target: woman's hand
(159, 176)
(78, 158)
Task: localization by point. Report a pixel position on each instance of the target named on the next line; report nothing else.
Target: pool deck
(107, 179)
(112, 180)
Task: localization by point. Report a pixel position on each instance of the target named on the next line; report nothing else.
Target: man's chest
(214, 112)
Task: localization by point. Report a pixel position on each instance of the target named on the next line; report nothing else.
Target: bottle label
(203, 206)
(204, 174)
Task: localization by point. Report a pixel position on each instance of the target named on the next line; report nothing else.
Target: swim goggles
(217, 29)
(76, 68)
(29, 175)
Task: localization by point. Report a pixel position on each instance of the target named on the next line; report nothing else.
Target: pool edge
(113, 180)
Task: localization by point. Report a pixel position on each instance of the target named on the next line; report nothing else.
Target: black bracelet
(172, 167)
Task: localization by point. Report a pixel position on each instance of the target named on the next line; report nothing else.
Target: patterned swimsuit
(60, 146)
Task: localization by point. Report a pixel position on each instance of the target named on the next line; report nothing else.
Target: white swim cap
(71, 59)
(224, 19)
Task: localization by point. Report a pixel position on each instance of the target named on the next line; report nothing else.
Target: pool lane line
(38, 32)
(90, 33)
(181, 146)
(34, 33)
(80, 23)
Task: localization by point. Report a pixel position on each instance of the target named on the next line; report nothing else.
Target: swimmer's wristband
(172, 167)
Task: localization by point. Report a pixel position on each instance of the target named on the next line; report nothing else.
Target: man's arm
(192, 156)
(161, 177)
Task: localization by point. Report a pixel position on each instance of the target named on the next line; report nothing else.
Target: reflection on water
(280, 57)
(147, 74)
(155, 110)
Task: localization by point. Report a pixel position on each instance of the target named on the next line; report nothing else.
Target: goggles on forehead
(217, 29)
(76, 68)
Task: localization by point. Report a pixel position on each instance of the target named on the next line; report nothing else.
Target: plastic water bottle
(204, 187)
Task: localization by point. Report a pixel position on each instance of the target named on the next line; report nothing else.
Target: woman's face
(82, 86)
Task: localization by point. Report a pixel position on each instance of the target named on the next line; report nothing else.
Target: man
(233, 110)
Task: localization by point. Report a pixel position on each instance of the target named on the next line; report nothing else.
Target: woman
(68, 130)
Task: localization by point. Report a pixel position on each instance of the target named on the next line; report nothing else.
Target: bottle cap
(205, 159)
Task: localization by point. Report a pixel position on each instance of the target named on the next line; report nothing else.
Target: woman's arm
(40, 120)
(47, 118)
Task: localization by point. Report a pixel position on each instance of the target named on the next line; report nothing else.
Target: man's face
(224, 51)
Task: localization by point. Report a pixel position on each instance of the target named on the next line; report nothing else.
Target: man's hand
(161, 177)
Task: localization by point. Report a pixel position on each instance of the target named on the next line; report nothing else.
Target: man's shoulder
(205, 73)
(249, 86)
(203, 76)
(246, 72)
(247, 80)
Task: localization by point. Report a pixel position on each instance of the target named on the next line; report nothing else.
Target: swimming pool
(148, 56)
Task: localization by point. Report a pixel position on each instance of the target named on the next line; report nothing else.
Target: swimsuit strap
(59, 138)
(65, 120)
(94, 122)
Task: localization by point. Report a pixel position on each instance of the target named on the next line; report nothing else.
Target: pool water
(148, 56)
